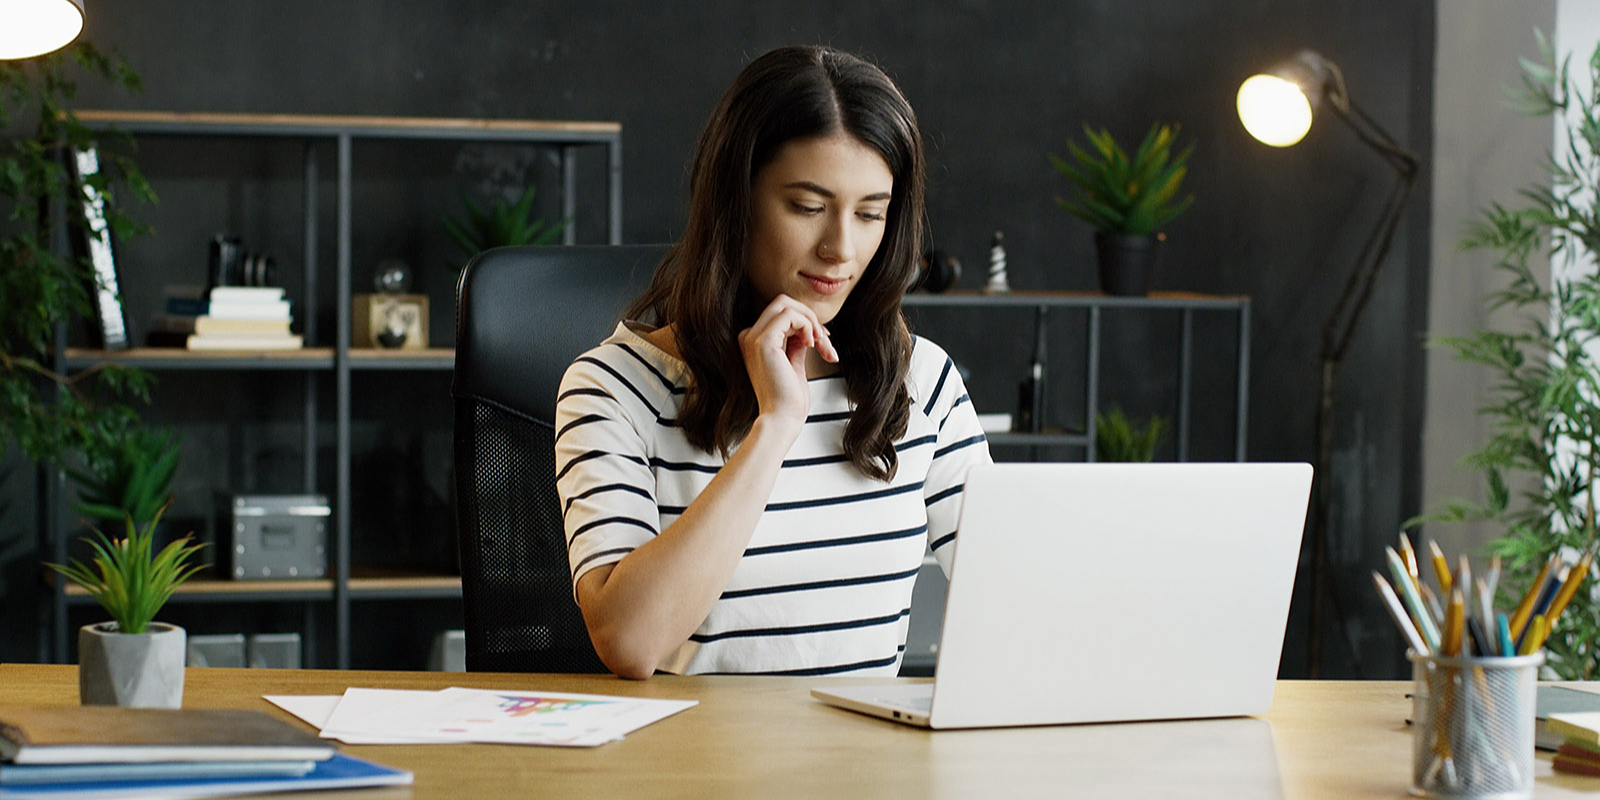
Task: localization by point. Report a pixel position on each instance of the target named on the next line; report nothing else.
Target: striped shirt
(824, 587)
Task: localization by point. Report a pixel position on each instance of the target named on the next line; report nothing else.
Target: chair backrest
(523, 314)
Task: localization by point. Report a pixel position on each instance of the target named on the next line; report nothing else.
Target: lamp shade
(35, 27)
(1277, 106)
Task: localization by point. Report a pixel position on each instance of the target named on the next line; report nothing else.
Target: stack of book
(103, 751)
(227, 318)
(1579, 751)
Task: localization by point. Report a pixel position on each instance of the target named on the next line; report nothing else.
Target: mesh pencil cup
(1472, 726)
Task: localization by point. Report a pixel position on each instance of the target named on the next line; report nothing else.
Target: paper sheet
(405, 716)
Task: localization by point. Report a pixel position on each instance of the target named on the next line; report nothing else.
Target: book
(246, 294)
(1558, 700)
(1579, 726)
(110, 734)
(339, 772)
(1587, 752)
(30, 774)
(1578, 766)
(234, 309)
(209, 325)
(213, 342)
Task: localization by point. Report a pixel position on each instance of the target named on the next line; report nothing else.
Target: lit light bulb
(1274, 110)
(35, 27)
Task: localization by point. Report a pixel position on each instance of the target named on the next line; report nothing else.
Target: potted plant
(130, 475)
(1120, 439)
(498, 224)
(1128, 199)
(48, 413)
(132, 660)
(1545, 406)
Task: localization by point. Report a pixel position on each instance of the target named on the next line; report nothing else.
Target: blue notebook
(339, 772)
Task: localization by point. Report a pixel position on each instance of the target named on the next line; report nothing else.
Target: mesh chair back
(523, 315)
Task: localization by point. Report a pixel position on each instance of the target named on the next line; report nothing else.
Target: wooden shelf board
(179, 355)
(268, 122)
(221, 586)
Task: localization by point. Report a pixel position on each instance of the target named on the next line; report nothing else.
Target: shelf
(300, 125)
(439, 358)
(214, 590)
(379, 586)
(170, 358)
(1038, 439)
(1033, 299)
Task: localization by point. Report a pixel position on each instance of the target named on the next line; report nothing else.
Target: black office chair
(523, 314)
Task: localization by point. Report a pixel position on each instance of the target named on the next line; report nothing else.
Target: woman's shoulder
(627, 355)
(928, 361)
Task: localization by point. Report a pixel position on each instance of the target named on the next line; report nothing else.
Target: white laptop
(1109, 592)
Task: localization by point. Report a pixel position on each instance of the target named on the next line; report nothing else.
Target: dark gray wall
(997, 85)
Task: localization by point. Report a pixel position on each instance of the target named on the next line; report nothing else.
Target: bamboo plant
(1545, 403)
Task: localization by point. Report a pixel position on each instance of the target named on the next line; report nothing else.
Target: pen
(1519, 618)
(1408, 592)
(1547, 596)
(1391, 601)
(1452, 624)
(1441, 567)
(1479, 639)
(1507, 646)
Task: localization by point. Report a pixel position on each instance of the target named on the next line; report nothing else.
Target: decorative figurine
(997, 266)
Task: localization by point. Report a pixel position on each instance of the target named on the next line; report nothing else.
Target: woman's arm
(643, 607)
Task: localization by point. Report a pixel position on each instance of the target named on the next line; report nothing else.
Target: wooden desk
(766, 738)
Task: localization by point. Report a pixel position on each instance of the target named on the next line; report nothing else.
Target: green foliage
(1544, 406)
(1135, 195)
(498, 224)
(129, 580)
(129, 475)
(1120, 439)
(48, 413)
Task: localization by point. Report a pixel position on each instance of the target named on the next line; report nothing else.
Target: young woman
(752, 465)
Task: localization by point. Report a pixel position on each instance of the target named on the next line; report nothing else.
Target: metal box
(276, 536)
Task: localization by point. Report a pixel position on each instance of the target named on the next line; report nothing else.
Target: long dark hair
(700, 287)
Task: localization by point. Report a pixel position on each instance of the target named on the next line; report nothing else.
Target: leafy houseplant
(498, 224)
(132, 477)
(1120, 439)
(1545, 406)
(41, 288)
(132, 660)
(1127, 198)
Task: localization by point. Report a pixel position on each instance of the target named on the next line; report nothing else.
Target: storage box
(395, 321)
(277, 536)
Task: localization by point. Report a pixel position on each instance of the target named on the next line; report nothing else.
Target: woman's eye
(870, 216)
(805, 209)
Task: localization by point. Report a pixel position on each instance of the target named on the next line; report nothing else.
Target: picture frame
(92, 239)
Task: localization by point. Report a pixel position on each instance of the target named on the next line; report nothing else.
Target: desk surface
(766, 737)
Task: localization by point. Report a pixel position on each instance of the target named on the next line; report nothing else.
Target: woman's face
(818, 215)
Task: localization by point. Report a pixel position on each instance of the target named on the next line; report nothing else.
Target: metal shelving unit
(344, 585)
(1183, 303)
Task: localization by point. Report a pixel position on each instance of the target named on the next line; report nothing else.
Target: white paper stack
(405, 716)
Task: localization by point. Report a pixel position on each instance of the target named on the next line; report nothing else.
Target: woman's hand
(775, 356)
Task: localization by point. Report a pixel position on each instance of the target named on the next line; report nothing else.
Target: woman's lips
(825, 286)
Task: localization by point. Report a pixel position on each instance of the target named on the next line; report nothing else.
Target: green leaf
(1121, 193)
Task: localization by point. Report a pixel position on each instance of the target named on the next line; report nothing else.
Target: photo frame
(92, 240)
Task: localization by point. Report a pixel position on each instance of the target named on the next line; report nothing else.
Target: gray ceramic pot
(138, 670)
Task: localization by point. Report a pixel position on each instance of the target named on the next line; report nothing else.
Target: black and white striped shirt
(825, 584)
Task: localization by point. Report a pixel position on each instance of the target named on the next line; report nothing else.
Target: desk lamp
(1278, 107)
(31, 28)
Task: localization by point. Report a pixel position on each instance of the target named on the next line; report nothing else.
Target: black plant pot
(1126, 262)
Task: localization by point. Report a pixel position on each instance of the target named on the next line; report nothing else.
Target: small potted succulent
(132, 660)
(498, 223)
(1128, 199)
(1120, 439)
(130, 475)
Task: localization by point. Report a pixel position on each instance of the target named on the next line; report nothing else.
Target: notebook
(95, 734)
(1109, 592)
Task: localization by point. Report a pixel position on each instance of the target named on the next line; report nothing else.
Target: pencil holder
(1472, 726)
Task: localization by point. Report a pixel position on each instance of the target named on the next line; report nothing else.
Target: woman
(751, 466)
